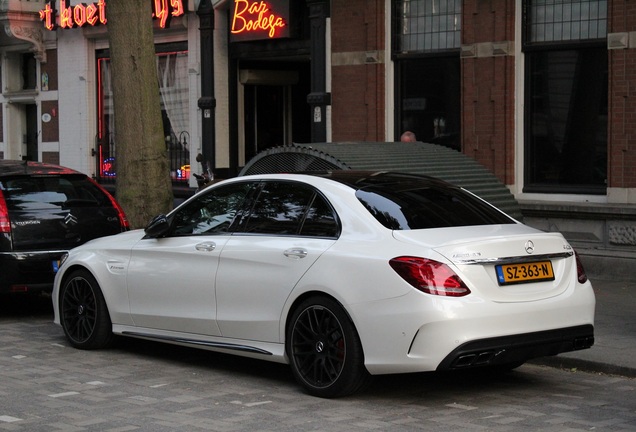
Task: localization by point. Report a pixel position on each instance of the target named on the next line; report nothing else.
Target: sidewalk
(614, 350)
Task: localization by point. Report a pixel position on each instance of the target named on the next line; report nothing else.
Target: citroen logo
(69, 219)
(529, 246)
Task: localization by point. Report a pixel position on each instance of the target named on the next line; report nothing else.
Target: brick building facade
(622, 104)
(548, 109)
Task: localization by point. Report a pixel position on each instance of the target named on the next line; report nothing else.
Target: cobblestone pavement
(45, 385)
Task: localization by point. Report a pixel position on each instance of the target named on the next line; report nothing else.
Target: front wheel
(324, 349)
(83, 312)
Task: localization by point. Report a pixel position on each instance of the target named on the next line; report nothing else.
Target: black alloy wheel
(83, 312)
(324, 349)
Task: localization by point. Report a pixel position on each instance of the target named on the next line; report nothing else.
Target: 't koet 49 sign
(255, 20)
(92, 14)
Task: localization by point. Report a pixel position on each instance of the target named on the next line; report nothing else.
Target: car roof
(359, 179)
(381, 179)
(18, 167)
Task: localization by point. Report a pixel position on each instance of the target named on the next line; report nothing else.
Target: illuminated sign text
(93, 14)
(259, 19)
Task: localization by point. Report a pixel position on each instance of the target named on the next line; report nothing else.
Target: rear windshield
(51, 192)
(428, 207)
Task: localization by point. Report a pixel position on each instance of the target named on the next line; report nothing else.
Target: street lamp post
(207, 101)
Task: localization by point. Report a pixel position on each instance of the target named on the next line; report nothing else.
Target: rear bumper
(419, 333)
(518, 348)
(28, 271)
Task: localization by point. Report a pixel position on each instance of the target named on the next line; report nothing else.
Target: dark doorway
(275, 108)
(265, 124)
(31, 137)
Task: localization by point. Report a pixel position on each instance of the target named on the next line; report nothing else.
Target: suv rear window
(429, 206)
(51, 192)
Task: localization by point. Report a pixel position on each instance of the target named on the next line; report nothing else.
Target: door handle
(206, 246)
(295, 253)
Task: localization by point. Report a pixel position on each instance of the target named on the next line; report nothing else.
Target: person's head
(408, 136)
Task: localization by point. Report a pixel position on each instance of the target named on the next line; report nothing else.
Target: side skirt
(198, 343)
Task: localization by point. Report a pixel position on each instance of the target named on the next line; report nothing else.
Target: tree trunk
(143, 187)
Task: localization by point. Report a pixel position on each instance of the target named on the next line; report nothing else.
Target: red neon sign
(259, 19)
(162, 10)
(93, 14)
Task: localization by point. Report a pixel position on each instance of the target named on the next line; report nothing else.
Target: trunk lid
(503, 263)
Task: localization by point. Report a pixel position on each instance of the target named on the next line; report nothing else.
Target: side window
(288, 208)
(212, 212)
(320, 220)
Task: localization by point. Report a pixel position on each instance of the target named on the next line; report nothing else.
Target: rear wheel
(83, 312)
(324, 349)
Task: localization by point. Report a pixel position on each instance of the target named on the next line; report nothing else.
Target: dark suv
(46, 210)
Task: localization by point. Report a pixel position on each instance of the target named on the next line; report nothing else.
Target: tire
(83, 312)
(324, 349)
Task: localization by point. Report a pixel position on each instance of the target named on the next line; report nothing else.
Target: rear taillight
(429, 276)
(123, 220)
(5, 223)
(580, 271)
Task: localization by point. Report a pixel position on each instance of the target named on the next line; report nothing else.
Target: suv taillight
(580, 271)
(123, 220)
(5, 223)
(429, 276)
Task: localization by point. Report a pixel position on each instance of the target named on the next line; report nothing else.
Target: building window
(430, 99)
(172, 73)
(566, 96)
(426, 25)
(559, 20)
(426, 43)
(28, 66)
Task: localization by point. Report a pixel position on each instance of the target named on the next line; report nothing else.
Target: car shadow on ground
(24, 305)
(276, 375)
(398, 386)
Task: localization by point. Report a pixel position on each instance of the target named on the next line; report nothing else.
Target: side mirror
(158, 226)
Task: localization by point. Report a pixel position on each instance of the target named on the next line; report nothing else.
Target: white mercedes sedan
(342, 275)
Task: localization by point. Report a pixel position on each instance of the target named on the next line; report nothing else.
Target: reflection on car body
(46, 210)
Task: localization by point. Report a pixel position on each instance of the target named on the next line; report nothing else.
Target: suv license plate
(523, 273)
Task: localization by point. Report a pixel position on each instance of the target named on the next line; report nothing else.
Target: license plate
(523, 273)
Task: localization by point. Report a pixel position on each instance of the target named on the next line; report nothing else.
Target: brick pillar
(622, 94)
(358, 78)
(488, 72)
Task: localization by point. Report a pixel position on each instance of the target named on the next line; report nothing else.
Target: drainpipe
(318, 99)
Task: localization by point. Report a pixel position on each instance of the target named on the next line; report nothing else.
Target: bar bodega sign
(255, 20)
(93, 14)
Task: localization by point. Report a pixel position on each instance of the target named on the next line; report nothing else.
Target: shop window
(426, 42)
(566, 97)
(172, 73)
